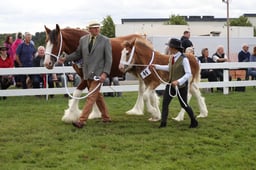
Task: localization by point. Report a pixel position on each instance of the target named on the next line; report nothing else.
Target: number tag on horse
(145, 73)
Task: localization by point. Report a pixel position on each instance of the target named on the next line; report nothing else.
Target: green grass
(32, 136)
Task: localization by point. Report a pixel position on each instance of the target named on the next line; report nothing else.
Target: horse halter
(57, 56)
(131, 57)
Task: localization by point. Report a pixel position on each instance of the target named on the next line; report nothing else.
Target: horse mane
(143, 43)
(53, 35)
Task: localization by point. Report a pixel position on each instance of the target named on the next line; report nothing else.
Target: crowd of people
(22, 52)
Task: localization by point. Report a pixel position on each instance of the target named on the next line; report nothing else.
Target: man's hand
(152, 66)
(61, 60)
(103, 77)
(175, 83)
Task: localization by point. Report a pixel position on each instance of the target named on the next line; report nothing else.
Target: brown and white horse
(136, 56)
(67, 40)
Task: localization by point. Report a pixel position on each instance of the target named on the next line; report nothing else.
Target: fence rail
(122, 88)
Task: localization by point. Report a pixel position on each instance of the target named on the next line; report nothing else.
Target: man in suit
(95, 51)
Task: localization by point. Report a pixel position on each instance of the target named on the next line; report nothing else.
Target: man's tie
(172, 60)
(91, 44)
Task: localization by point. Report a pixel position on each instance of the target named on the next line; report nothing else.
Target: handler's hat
(3, 48)
(93, 24)
(175, 43)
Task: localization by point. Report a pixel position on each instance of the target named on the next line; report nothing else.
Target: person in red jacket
(5, 62)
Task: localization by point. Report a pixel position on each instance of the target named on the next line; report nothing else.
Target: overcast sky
(32, 15)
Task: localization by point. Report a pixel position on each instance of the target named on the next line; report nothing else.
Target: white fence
(122, 88)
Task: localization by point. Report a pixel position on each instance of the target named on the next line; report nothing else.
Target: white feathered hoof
(95, 114)
(71, 116)
(178, 118)
(154, 119)
(201, 116)
(134, 112)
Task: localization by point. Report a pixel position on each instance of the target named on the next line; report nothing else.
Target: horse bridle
(57, 56)
(140, 65)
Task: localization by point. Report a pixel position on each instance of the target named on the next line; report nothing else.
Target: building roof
(187, 18)
(250, 15)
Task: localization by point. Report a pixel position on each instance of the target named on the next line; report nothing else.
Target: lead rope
(96, 78)
(177, 92)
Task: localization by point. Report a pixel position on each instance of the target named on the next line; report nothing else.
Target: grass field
(32, 136)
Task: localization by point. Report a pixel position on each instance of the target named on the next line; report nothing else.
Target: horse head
(127, 53)
(53, 46)
(134, 53)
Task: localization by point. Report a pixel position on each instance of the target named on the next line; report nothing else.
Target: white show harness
(96, 78)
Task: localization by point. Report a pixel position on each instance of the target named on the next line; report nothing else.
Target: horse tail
(195, 68)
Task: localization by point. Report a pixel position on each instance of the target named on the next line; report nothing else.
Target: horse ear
(126, 44)
(57, 28)
(47, 30)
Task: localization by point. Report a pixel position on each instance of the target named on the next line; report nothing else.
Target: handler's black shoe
(162, 125)
(78, 124)
(193, 124)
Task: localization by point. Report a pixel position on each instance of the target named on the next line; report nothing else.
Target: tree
(241, 21)
(177, 20)
(39, 39)
(108, 28)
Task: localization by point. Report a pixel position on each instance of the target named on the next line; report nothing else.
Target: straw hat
(93, 24)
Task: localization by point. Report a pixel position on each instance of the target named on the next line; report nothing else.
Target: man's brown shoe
(107, 121)
(78, 124)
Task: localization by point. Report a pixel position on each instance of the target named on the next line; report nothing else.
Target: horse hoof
(153, 119)
(178, 119)
(202, 116)
(133, 113)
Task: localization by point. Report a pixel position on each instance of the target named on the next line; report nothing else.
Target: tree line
(108, 28)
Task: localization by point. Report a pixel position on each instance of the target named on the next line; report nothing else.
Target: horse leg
(152, 103)
(180, 116)
(95, 114)
(139, 105)
(200, 100)
(73, 113)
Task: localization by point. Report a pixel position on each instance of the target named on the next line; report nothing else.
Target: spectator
(108, 82)
(24, 57)
(38, 80)
(252, 71)
(5, 62)
(207, 73)
(15, 45)
(185, 40)
(219, 57)
(244, 56)
(192, 51)
(8, 43)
